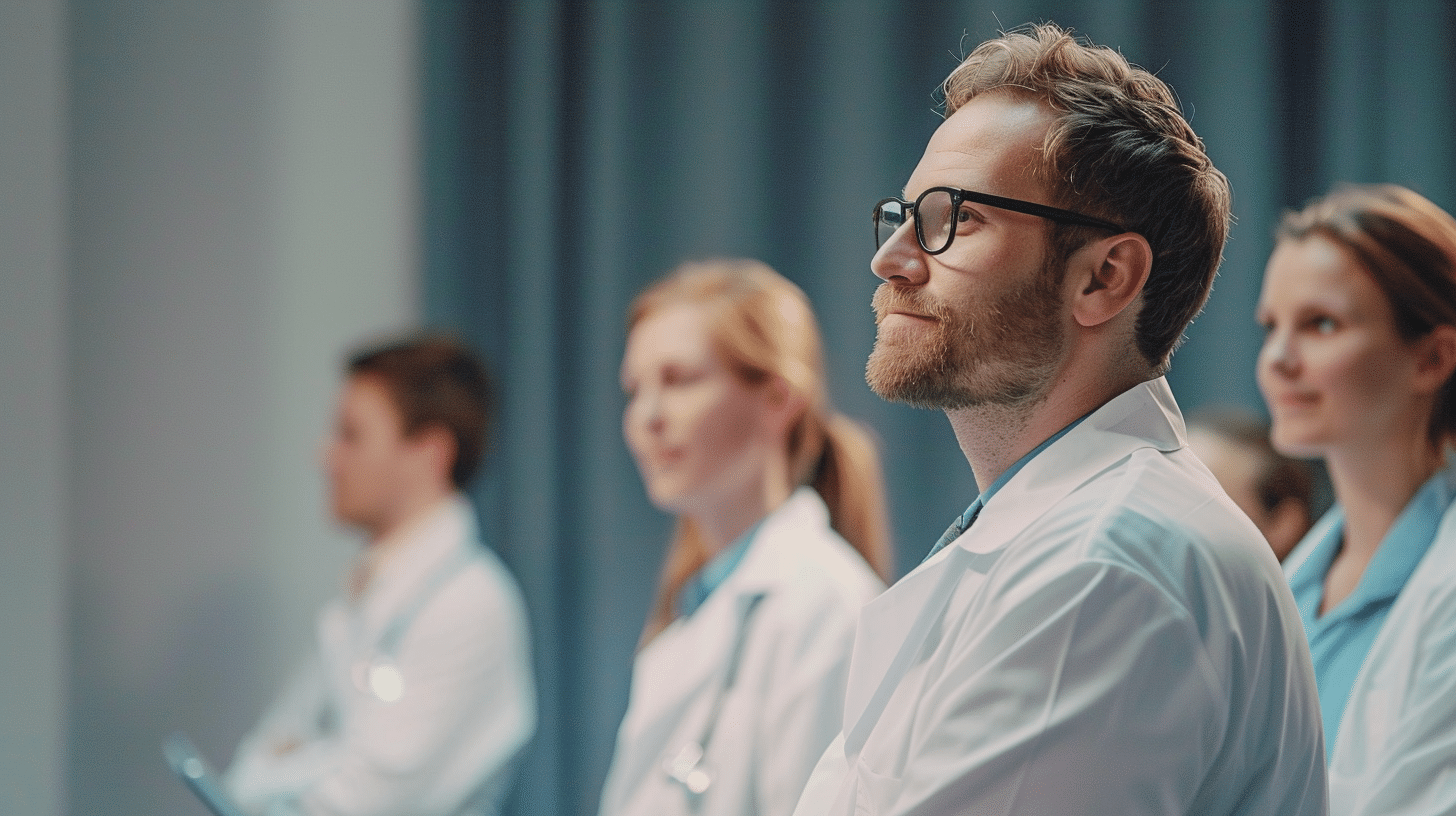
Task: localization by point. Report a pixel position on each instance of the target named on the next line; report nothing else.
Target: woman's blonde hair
(763, 327)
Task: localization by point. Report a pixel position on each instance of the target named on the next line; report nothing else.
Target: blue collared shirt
(1341, 638)
(712, 574)
(961, 524)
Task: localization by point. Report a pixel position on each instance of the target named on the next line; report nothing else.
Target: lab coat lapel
(894, 626)
(405, 574)
(688, 656)
(681, 661)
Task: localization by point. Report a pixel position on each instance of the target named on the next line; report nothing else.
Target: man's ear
(1112, 273)
(436, 446)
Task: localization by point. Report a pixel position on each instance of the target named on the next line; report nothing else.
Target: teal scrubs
(712, 574)
(1340, 639)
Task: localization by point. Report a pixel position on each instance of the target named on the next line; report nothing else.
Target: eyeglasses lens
(934, 220)
(889, 216)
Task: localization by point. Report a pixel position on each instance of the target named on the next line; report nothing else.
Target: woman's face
(1333, 370)
(699, 434)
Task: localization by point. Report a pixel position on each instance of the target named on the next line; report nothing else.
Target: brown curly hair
(1120, 149)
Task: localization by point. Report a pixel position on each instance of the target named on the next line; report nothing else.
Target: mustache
(890, 298)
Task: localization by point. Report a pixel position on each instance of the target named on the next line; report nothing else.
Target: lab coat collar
(894, 626)
(714, 627)
(763, 566)
(1143, 416)
(418, 550)
(1435, 570)
(1395, 560)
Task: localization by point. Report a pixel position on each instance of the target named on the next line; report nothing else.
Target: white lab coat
(1111, 637)
(468, 702)
(786, 702)
(1395, 752)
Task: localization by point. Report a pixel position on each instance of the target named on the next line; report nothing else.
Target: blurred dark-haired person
(1274, 490)
(1101, 631)
(1359, 310)
(421, 693)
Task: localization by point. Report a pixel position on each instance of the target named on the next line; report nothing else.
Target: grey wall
(32, 406)
(241, 209)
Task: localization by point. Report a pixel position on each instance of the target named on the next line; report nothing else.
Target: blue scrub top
(1340, 640)
(712, 574)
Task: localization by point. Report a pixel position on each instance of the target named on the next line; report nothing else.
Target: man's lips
(890, 301)
(882, 317)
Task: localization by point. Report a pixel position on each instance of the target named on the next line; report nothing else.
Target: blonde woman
(739, 681)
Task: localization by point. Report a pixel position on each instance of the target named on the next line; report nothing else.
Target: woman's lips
(662, 458)
(1294, 400)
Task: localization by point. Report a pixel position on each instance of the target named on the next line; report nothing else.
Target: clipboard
(197, 774)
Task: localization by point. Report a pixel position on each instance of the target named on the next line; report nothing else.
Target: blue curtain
(575, 151)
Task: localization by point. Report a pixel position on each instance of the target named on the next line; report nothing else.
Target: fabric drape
(575, 151)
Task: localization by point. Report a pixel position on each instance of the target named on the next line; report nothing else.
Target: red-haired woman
(1359, 306)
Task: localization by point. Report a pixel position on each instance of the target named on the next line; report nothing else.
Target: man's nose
(900, 259)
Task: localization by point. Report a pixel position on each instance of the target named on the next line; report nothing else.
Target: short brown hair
(1408, 247)
(1277, 478)
(435, 381)
(1119, 149)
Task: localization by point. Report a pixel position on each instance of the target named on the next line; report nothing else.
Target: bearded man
(1102, 631)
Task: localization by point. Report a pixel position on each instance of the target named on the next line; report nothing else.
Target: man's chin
(900, 380)
(925, 386)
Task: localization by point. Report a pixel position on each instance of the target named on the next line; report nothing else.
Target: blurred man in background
(1276, 492)
(421, 692)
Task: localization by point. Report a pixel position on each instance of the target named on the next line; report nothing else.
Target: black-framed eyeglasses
(935, 216)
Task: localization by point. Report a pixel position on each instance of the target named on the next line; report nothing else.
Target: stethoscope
(380, 676)
(687, 767)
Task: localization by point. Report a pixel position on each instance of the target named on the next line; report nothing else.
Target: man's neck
(408, 516)
(995, 437)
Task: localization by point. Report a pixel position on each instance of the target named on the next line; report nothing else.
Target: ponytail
(685, 556)
(848, 479)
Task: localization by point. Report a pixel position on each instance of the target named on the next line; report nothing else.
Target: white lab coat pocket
(874, 793)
